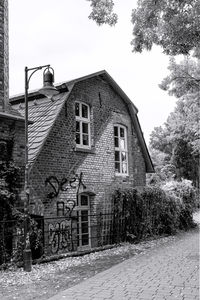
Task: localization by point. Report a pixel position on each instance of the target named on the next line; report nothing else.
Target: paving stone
(167, 272)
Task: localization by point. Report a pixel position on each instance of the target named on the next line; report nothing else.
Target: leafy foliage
(184, 191)
(188, 197)
(35, 237)
(184, 77)
(184, 83)
(164, 169)
(102, 12)
(172, 24)
(12, 220)
(153, 211)
(9, 176)
(178, 140)
(184, 161)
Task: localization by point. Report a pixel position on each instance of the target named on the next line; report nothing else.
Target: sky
(59, 33)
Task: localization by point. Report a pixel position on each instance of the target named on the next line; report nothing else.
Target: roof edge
(119, 90)
(10, 116)
(148, 161)
(32, 95)
(63, 86)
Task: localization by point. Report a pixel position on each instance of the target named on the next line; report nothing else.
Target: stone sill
(85, 150)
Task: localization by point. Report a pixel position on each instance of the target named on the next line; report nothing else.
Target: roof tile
(43, 114)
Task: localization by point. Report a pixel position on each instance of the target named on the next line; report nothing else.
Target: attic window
(82, 113)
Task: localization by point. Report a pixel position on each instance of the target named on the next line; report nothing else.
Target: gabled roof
(43, 113)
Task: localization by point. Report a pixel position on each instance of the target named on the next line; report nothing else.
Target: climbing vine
(12, 218)
(9, 183)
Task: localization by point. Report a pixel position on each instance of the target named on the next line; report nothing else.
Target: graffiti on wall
(69, 207)
(64, 184)
(60, 237)
(65, 209)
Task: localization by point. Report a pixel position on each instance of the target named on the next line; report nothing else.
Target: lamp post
(48, 90)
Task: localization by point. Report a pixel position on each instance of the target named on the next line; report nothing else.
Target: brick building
(11, 122)
(11, 138)
(83, 144)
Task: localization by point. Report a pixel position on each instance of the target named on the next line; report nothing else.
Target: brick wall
(4, 80)
(12, 132)
(11, 122)
(12, 140)
(59, 156)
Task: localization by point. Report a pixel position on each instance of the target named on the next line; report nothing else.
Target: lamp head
(48, 88)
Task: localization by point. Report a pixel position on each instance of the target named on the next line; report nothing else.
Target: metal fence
(55, 235)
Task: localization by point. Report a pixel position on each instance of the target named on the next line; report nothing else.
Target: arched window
(83, 221)
(121, 150)
(83, 135)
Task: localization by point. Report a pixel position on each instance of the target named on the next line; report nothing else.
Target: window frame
(80, 234)
(82, 120)
(121, 150)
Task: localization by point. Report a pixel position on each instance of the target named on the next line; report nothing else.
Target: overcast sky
(59, 33)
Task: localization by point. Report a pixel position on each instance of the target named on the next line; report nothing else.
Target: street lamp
(48, 90)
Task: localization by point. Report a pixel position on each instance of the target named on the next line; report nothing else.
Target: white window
(83, 221)
(121, 150)
(82, 112)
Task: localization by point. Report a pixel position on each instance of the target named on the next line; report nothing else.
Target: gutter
(13, 117)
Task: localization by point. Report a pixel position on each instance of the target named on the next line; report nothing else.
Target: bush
(186, 196)
(153, 211)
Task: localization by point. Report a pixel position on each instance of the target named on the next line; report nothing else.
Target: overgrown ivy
(12, 219)
(9, 184)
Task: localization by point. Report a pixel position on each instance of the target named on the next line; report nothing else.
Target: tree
(102, 12)
(184, 161)
(184, 83)
(159, 140)
(184, 77)
(179, 141)
(183, 123)
(172, 24)
(164, 168)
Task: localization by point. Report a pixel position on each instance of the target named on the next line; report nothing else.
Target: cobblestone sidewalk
(168, 272)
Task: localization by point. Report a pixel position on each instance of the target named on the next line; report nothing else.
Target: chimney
(4, 62)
